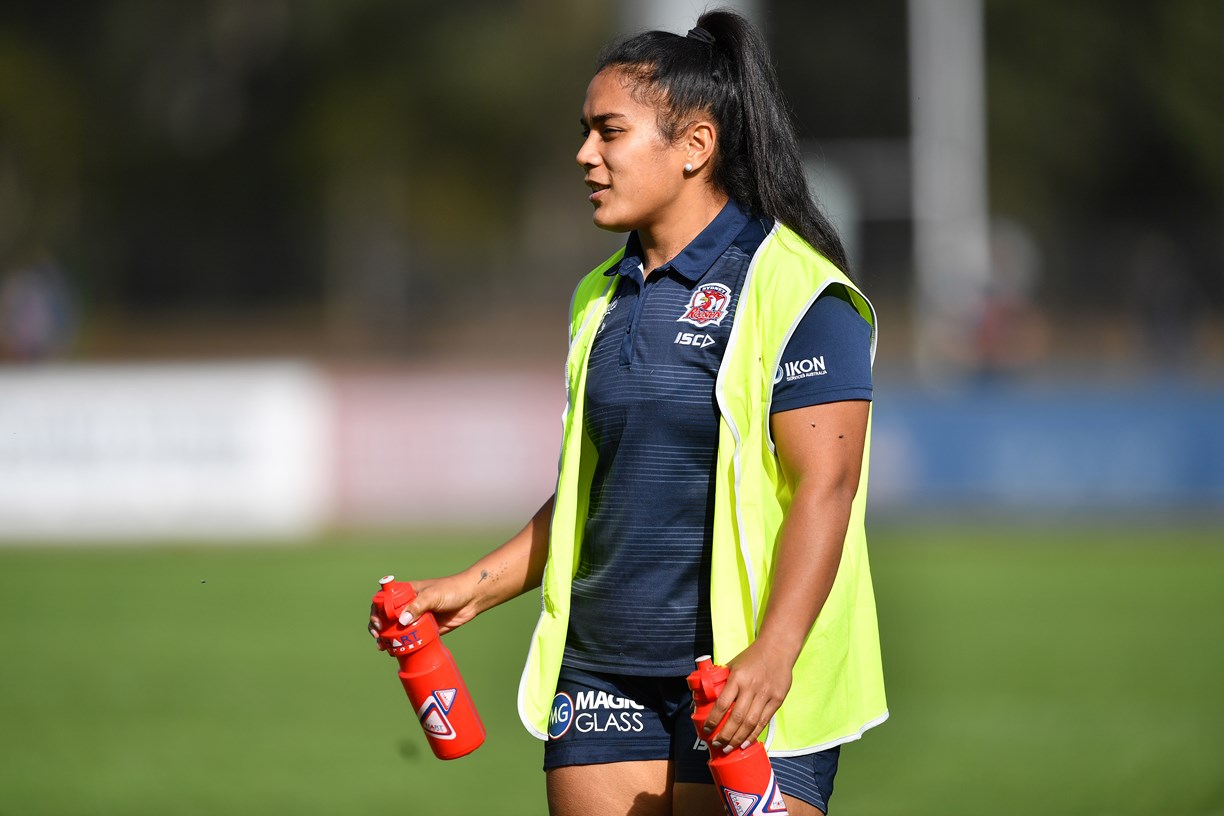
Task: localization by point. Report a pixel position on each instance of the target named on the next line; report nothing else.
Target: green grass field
(1068, 671)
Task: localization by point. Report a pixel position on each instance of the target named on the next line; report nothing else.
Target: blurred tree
(428, 124)
(41, 135)
(376, 162)
(246, 155)
(842, 66)
(1107, 126)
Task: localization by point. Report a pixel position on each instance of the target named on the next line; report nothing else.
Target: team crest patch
(707, 306)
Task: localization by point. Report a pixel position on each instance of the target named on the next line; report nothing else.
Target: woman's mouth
(597, 191)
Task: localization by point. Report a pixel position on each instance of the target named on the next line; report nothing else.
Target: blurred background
(283, 287)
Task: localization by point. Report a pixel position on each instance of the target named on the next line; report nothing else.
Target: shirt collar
(700, 254)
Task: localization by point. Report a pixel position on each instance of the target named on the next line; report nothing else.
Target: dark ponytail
(723, 68)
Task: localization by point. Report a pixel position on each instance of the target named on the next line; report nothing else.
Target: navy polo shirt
(641, 590)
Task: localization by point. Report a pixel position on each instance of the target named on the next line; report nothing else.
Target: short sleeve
(828, 358)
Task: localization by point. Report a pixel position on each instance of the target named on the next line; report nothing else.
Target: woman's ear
(700, 143)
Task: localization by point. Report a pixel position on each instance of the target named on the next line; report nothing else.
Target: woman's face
(635, 175)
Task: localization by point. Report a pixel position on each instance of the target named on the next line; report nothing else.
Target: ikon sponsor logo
(799, 369)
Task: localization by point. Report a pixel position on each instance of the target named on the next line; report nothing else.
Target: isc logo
(693, 339)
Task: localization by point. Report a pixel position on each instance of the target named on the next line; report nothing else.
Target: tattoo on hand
(483, 575)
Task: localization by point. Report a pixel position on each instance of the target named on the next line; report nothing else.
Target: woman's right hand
(450, 599)
(512, 569)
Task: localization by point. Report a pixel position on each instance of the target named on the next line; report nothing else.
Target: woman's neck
(664, 241)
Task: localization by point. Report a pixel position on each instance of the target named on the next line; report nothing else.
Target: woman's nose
(588, 156)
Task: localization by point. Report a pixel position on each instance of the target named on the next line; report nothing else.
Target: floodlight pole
(950, 199)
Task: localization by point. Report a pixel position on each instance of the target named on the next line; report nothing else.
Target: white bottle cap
(386, 579)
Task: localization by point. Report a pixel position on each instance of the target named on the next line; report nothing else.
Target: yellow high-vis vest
(838, 688)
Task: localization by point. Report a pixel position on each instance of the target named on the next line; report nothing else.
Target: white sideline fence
(275, 449)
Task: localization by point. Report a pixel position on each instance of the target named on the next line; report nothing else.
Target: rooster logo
(707, 306)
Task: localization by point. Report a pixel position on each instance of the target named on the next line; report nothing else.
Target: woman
(712, 477)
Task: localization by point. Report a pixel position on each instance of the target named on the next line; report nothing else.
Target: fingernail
(406, 619)
(727, 749)
(744, 747)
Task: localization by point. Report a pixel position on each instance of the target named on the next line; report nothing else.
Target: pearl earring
(688, 167)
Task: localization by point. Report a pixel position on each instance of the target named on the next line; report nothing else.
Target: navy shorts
(598, 718)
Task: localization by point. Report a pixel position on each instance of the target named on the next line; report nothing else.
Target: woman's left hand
(820, 449)
(760, 678)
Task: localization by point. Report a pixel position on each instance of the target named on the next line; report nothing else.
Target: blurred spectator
(37, 312)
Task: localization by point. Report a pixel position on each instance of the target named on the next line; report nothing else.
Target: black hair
(722, 68)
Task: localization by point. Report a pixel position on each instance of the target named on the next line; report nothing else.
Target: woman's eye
(604, 133)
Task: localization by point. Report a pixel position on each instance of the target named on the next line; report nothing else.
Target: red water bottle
(429, 674)
(744, 777)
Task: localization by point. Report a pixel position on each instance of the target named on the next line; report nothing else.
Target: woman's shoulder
(786, 260)
(785, 241)
(595, 283)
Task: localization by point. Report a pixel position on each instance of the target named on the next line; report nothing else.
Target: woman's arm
(820, 449)
(512, 569)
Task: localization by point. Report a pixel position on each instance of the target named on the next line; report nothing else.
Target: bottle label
(433, 714)
(740, 803)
